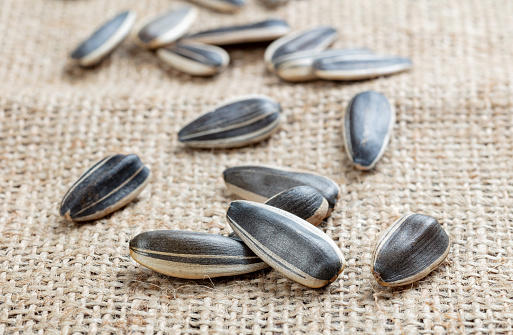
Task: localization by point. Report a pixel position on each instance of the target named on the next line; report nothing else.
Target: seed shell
(259, 183)
(166, 28)
(194, 58)
(368, 123)
(267, 30)
(223, 6)
(304, 202)
(287, 243)
(274, 3)
(193, 255)
(299, 66)
(409, 250)
(317, 38)
(104, 40)
(238, 123)
(361, 67)
(107, 186)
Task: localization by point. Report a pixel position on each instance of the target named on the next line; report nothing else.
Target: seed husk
(274, 3)
(193, 255)
(194, 58)
(262, 31)
(287, 243)
(368, 124)
(360, 67)
(259, 183)
(104, 40)
(241, 122)
(105, 187)
(299, 66)
(304, 202)
(166, 28)
(317, 38)
(409, 250)
(223, 6)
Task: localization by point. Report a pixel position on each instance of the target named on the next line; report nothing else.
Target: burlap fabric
(450, 157)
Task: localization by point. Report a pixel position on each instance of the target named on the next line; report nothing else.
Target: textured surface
(450, 157)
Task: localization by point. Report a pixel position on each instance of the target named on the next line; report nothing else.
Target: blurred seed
(409, 250)
(193, 255)
(223, 6)
(368, 124)
(107, 186)
(299, 66)
(287, 243)
(104, 40)
(259, 183)
(166, 28)
(360, 67)
(243, 121)
(317, 38)
(274, 3)
(267, 30)
(194, 58)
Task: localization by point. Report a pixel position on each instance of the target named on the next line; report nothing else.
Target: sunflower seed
(194, 58)
(104, 40)
(318, 38)
(368, 123)
(241, 122)
(304, 202)
(287, 243)
(193, 255)
(274, 3)
(224, 6)
(166, 28)
(409, 250)
(259, 183)
(299, 66)
(360, 67)
(267, 30)
(107, 186)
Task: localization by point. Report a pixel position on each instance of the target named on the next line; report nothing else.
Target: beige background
(451, 157)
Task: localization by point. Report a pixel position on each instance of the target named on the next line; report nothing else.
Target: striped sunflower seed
(107, 186)
(259, 183)
(368, 124)
(166, 28)
(267, 30)
(360, 67)
(409, 250)
(287, 243)
(223, 6)
(318, 39)
(299, 66)
(193, 255)
(104, 40)
(194, 58)
(238, 123)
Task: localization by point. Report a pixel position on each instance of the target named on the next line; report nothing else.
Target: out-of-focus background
(450, 157)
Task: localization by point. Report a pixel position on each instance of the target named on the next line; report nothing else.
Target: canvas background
(450, 156)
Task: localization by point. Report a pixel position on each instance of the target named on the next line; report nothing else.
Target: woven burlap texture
(450, 157)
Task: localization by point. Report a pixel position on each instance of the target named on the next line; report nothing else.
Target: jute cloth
(450, 157)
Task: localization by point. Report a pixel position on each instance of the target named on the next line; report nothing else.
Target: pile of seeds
(294, 56)
(275, 224)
